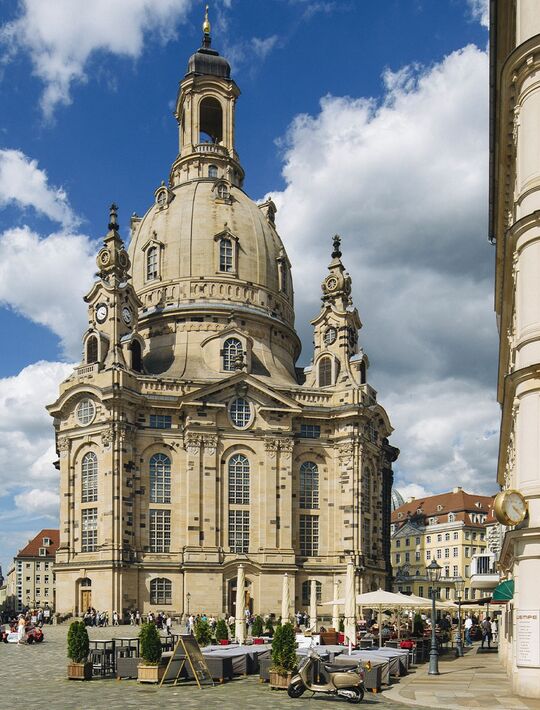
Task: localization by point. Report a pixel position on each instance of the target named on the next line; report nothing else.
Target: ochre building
(188, 440)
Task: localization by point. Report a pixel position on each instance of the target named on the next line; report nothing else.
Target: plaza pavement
(35, 677)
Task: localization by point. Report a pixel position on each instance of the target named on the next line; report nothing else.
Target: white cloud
(480, 11)
(62, 36)
(404, 181)
(412, 490)
(26, 432)
(263, 47)
(38, 502)
(45, 279)
(24, 184)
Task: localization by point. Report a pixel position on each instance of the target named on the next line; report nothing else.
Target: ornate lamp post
(433, 574)
(459, 585)
(188, 597)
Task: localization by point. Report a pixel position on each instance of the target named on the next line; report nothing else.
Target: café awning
(503, 592)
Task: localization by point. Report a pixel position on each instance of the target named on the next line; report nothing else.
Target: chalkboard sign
(187, 650)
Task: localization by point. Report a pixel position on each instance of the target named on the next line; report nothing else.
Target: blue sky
(365, 118)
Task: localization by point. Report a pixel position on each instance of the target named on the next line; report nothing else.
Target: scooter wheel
(359, 695)
(295, 690)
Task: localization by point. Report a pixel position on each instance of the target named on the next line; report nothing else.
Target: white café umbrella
(380, 600)
(350, 605)
(335, 607)
(285, 600)
(240, 625)
(313, 605)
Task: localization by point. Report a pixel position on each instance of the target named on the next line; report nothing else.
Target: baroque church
(188, 440)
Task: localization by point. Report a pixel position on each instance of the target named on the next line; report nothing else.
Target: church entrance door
(86, 599)
(231, 597)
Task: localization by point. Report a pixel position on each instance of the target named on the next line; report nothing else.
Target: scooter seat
(336, 668)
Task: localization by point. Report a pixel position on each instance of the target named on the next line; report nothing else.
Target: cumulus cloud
(38, 502)
(403, 179)
(24, 184)
(480, 11)
(61, 37)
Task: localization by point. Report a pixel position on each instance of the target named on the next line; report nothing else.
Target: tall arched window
(91, 350)
(212, 171)
(225, 255)
(160, 591)
(309, 485)
(160, 479)
(232, 347)
(136, 356)
(210, 120)
(152, 259)
(239, 480)
(306, 592)
(325, 372)
(89, 478)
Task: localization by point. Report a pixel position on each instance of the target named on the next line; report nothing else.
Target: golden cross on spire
(206, 23)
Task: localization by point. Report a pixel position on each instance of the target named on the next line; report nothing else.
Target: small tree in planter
(203, 633)
(283, 656)
(222, 632)
(78, 648)
(257, 627)
(150, 670)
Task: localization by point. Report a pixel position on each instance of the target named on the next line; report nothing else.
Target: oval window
(86, 411)
(240, 412)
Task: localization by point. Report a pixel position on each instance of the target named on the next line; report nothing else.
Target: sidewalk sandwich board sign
(187, 650)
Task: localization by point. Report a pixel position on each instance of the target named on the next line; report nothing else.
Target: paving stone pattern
(35, 677)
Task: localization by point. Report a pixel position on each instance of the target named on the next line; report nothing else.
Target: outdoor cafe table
(389, 664)
(103, 657)
(245, 659)
(401, 653)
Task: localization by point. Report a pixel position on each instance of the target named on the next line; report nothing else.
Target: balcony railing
(212, 148)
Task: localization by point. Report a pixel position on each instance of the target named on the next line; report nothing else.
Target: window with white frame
(160, 479)
(232, 348)
(240, 412)
(212, 171)
(310, 431)
(309, 485)
(152, 263)
(447, 552)
(89, 478)
(89, 529)
(160, 421)
(160, 591)
(455, 551)
(239, 531)
(456, 536)
(239, 480)
(439, 554)
(160, 530)
(85, 412)
(306, 592)
(398, 557)
(451, 517)
(309, 535)
(455, 571)
(226, 261)
(325, 372)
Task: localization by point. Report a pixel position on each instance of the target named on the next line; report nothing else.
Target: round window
(86, 411)
(240, 412)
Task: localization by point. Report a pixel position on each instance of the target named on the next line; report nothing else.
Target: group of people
(488, 628)
(160, 619)
(38, 616)
(91, 617)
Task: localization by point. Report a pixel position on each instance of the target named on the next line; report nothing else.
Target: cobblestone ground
(35, 677)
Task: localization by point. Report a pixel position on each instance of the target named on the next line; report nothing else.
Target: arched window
(89, 478)
(136, 356)
(160, 479)
(225, 255)
(309, 485)
(160, 591)
(212, 171)
(210, 121)
(232, 348)
(239, 480)
(306, 592)
(325, 372)
(152, 258)
(91, 350)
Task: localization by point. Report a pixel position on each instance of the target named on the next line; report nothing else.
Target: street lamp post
(188, 597)
(434, 574)
(459, 585)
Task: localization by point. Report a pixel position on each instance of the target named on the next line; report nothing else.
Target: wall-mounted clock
(101, 312)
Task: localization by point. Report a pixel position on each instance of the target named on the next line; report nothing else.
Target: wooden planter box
(79, 671)
(280, 681)
(150, 674)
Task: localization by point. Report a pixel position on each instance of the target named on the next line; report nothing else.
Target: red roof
(442, 504)
(32, 548)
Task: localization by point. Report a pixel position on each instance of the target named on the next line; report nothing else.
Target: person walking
(486, 631)
(138, 617)
(494, 631)
(21, 629)
(115, 618)
(468, 626)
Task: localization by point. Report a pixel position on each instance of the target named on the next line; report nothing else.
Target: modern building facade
(188, 440)
(31, 580)
(450, 528)
(515, 230)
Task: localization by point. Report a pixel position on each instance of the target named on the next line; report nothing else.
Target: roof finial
(113, 218)
(336, 254)
(206, 23)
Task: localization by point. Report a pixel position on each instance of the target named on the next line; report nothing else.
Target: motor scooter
(330, 678)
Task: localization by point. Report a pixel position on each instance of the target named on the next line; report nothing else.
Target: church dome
(397, 499)
(186, 229)
(208, 61)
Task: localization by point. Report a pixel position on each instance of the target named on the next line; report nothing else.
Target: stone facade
(188, 441)
(515, 229)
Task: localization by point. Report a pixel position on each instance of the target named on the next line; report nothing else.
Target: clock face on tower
(101, 312)
(126, 315)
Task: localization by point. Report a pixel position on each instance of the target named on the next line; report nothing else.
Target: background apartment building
(31, 581)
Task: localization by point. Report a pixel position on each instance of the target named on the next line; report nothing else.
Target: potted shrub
(203, 632)
(222, 632)
(257, 627)
(283, 656)
(78, 648)
(149, 669)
